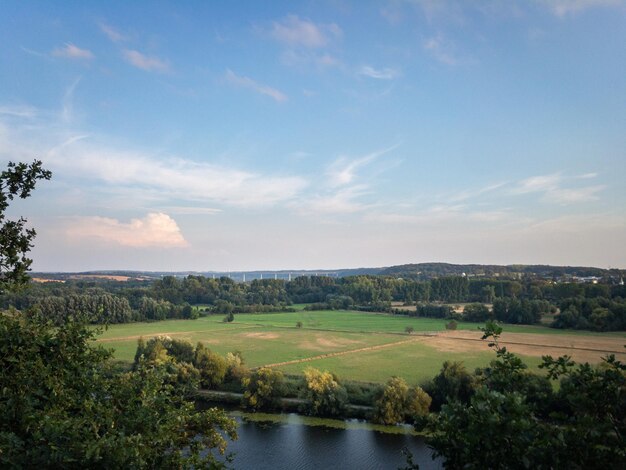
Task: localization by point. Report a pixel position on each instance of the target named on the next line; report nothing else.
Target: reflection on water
(292, 445)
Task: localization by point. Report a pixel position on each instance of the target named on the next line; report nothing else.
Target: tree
(409, 329)
(212, 366)
(453, 383)
(19, 179)
(391, 407)
(264, 388)
(418, 403)
(323, 393)
(63, 405)
(476, 312)
(507, 426)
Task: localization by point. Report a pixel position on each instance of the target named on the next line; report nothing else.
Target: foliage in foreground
(514, 422)
(62, 405)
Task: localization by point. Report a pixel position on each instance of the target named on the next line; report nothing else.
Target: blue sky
(278, 135)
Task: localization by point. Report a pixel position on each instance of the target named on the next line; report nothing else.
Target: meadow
(361, 346)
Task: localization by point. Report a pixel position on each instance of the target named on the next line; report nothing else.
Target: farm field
(361, 346)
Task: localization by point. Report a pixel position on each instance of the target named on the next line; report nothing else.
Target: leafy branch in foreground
(18, 180)
(515, 421)
(63, 405)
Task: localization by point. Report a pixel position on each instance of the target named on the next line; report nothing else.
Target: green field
(273, 338)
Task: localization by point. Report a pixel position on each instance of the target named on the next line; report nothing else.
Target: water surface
(293, 445)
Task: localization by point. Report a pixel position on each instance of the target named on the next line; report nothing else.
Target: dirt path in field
(342, 353)
(580, 348)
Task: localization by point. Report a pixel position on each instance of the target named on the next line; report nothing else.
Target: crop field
(362, 346)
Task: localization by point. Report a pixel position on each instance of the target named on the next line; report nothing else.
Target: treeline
(584, 306)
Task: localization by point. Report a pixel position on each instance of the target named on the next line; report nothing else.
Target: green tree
(18, 180)
(507, 426)
(212, 366)
(264, 389)
(476, 312)
(391, 407)
(62, 405)
(453, 383)
(323, 393)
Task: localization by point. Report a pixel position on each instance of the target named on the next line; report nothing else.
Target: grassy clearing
(415, 362)
(273, 338)
(386, 323)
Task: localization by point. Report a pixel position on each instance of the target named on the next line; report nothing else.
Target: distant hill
(430, 270)
(414, 271)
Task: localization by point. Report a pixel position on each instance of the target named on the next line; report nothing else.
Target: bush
(264, 389)
(451, 325)
(323, 394)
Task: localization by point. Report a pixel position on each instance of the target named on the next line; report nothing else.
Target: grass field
(360, 346)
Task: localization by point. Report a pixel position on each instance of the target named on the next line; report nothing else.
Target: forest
(574, 305)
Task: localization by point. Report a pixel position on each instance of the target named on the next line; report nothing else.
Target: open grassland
(361, 346)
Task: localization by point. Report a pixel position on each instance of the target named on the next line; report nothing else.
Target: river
(291, 442)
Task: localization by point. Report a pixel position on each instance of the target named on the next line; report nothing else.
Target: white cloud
(380, 74)
(144, 62)
(571, 7)
(19, 111)
(336, 201)
(538, 183)
(67, 111)
(246, 82)
(70, 51)
(154, 230)
(343, 170)
(294, 31)
(553, 191)
(112, 33)
(80, 160)
(173, 177)
(469, 194)
(570, 196)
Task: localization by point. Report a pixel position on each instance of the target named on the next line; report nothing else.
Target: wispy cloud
(246, 82)
(144, 62)
(296, 32)
(553, 190)
(154, 230)
(19, 111)
(70, 51)
(538, 183)
(343, 170)
(112, 33)
(472, 193)
(170, 178)
(451, 215)
(380, 74)
(336, 201)
(571, 7)
(67, 110)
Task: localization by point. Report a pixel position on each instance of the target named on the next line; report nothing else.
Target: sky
(331, 134)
